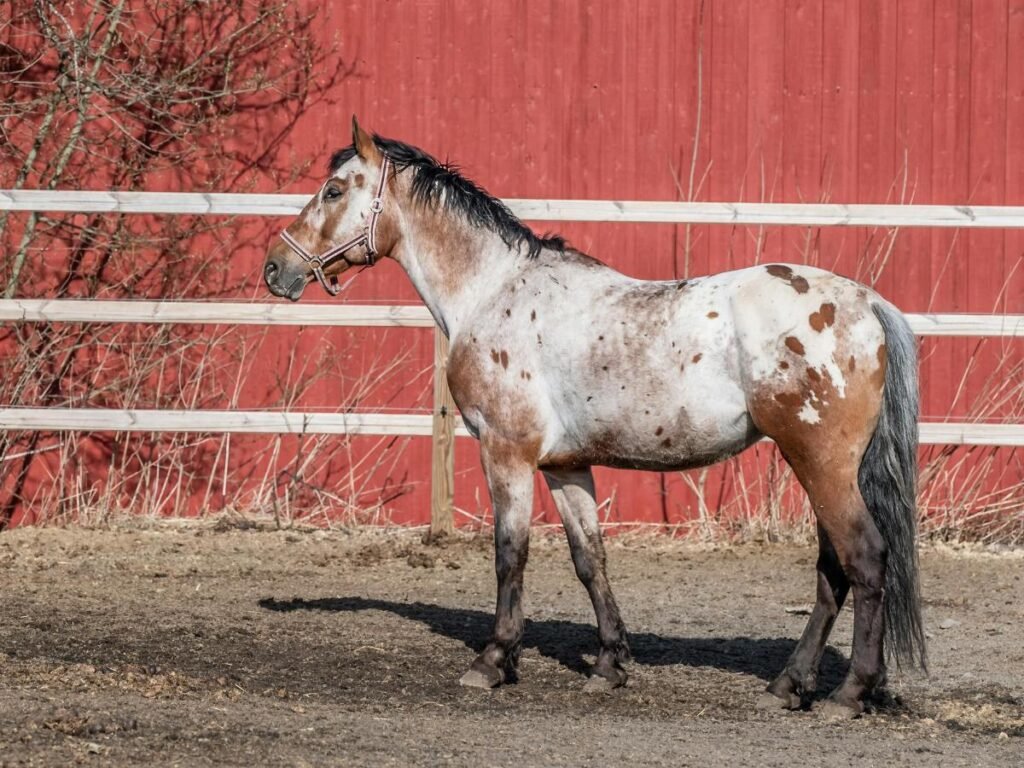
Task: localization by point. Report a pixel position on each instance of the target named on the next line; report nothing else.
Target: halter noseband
(368, 238)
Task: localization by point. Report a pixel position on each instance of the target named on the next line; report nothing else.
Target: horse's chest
(496, 383)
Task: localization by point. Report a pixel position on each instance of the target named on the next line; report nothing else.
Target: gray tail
(888, 483)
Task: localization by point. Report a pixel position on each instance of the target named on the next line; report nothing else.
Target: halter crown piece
(368, 238)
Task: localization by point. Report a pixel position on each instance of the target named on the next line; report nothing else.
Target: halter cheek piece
(368, 238)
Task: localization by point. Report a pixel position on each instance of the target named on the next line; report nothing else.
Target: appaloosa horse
(558, 363)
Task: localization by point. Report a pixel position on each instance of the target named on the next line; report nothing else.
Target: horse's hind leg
(861, 552)
(573, 491)
(798, 680)
(510, 481)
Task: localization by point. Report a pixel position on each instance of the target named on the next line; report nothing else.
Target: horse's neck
(452, 265)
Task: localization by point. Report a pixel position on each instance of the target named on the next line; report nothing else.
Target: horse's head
(338, 228)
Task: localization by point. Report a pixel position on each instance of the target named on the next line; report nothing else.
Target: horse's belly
(660, 431)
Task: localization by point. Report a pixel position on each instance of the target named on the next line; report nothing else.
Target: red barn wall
(786, 101)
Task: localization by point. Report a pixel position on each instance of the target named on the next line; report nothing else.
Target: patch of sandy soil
(195, 647)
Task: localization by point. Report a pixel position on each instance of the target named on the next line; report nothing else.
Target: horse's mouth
(292, 291)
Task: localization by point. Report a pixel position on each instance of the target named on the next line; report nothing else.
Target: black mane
(433, 181)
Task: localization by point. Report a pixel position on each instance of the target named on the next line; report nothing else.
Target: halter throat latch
(368, 238)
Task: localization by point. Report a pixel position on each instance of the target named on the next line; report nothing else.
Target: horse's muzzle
(284, 279)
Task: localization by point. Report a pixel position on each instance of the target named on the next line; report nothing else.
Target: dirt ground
(203, 647)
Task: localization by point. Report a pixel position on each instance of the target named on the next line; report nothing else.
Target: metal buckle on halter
(376, 205)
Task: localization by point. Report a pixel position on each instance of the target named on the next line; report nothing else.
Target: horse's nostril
(270, 270)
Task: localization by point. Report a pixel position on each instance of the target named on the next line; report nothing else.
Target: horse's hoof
(831, 709)
(598, 684)
(606, 674)
(474, 678)
(769, 702)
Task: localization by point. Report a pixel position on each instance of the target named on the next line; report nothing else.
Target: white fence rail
(220, 422)
(365, 315)
(211, 313)
(796, 214)
(319, 423)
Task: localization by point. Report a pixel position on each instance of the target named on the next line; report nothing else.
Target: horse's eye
(332, 193)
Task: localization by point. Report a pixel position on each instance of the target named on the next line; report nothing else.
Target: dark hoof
(770, 702)
(787, 693)
(482, 675)
(835, 709)
(600, 681)
(606, 674)
(598, 684)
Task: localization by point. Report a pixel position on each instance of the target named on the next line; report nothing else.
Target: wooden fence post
(442, 474)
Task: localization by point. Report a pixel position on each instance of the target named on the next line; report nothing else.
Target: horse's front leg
(573, 492)
(510, 480)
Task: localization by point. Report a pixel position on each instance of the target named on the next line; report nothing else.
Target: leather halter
(368, 237)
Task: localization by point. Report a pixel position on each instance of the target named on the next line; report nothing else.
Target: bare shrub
(127, 94)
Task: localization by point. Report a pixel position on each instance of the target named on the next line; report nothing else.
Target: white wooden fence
(798, 214)
(442, 429)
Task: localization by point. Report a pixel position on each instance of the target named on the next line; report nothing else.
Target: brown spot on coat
(853, 364)
(508, 313)
(659, 430)
(796, 282)
(504, 359)
(825, 316)
(533, 314)
(697, 357)
(712, 315)
(494, 355)
(794, 345)
(783, 364)
(666, 443)
(792, 400)
(878, 377)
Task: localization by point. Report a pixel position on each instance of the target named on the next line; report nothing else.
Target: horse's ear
(363, 143)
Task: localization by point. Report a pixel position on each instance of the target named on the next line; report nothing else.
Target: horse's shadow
(566, 641)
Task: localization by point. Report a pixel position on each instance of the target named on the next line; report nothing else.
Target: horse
(559, 363)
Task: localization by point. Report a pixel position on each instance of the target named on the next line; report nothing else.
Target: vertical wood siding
(800, 101)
